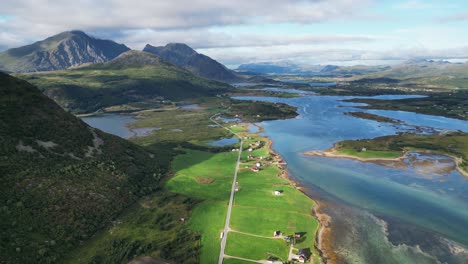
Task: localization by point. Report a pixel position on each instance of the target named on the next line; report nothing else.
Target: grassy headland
(454, 144)
(453, 105)
(377, 118)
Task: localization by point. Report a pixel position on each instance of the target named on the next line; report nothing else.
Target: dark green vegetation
(58, 52)
(177, 126)
(152, 227)
(453, 144)
(134, 76)
(185, 57)
(181, 126)
(63, 181)
(377, 118)
(257, 111)
(453, 105)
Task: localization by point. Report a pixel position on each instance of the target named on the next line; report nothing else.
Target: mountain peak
(135, 58)
(184, 56)
(61, 51)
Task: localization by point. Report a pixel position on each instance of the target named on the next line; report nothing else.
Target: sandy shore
(323, 241)
(330, 153)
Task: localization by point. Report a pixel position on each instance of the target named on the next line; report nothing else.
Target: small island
(395, 147)
(374, 117)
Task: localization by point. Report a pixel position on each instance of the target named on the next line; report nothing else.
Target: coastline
(322, 237)
(330, 153)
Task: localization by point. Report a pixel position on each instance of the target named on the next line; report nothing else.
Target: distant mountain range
(58, 52)
(134, 76)
(289, 68)
(185, 57)
(61, 180)
(422, 72)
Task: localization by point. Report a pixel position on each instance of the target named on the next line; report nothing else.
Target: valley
(165, 155)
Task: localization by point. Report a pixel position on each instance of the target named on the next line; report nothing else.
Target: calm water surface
(223, 142)
(380, 214)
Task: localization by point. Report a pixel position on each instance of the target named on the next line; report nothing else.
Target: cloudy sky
(243, 31)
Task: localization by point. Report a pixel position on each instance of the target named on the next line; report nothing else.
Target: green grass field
(257, 211)
(208, 217)
(255, 248)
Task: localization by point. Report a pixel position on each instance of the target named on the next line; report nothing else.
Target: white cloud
(205, 38)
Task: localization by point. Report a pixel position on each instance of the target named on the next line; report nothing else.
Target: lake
(379, 214)
(117, 124)
(223, 142)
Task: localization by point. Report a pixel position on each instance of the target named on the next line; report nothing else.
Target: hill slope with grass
(64, 50)
(199, 64)
(62, 181)
(133, 76)
(430, 74)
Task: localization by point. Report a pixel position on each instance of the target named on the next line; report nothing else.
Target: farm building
(278, 192)
(254, 169)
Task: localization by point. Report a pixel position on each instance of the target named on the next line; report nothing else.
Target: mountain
(61, 180)
(134, 76)
(185, 57)
(329, 68)
(289, 68)
(281, 67)
(426, 73)
(62, 51)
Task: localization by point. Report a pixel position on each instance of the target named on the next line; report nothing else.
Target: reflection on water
(367, 196)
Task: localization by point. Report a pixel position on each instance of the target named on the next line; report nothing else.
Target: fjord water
(379, 214)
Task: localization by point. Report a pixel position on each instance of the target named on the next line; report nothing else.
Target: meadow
(257, 212)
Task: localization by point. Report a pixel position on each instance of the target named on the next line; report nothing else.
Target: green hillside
(134, 76)
(63, 181)
(428, 74)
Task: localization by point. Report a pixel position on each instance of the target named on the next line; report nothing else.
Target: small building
(254, 169)
(277, 234)
(278, 192)
(258, 164)
(250, 149)
(304, 254)
(363, 149)
(250, 156)
(297, 235)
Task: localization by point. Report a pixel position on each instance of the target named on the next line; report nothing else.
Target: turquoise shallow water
(367, 197)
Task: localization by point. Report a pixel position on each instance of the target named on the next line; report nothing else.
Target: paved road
(231, 198)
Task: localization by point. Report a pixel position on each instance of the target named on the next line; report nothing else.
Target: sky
(342, 32)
